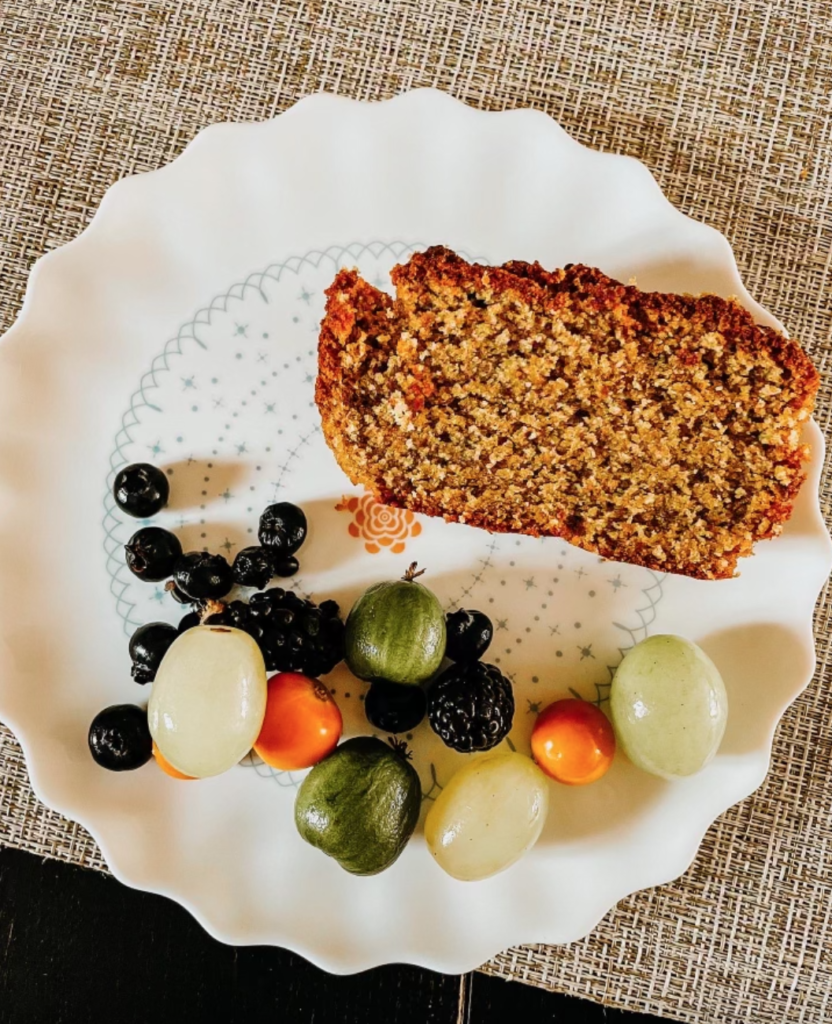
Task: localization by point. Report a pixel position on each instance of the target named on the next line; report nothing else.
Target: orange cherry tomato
(168, 768)
(573, 742)
(302, 725)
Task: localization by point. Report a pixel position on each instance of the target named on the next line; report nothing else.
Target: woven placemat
(729, 105)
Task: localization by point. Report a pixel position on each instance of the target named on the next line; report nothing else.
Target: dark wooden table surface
(77, 947)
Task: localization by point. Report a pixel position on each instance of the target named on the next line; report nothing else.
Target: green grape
(208, 700)
(669, 706)
(489, 814)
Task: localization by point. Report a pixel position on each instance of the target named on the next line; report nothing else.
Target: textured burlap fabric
(729, 105)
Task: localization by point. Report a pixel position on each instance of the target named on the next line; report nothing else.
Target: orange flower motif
(380, 526)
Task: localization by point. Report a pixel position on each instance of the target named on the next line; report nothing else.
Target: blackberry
(238, 615)
(263, 604)
(294, 635)
(151, 553)
(253, 567)
(469, 635)
(282, 528)
(141, 490)
(471, 706)
(148, 645)
(297, 635)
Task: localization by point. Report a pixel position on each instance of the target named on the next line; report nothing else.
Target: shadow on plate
(197, 482)
(763, 666)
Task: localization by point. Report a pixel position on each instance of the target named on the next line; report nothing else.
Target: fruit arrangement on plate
(244, 675)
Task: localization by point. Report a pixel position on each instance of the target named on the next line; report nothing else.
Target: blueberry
(283, 528)
(253, 567)
(151, 553)
(141, 490)
(200, 575)
(148, 645)
(392, 707)
(119, 738)
(188, 622)
(287, 566)
(177, 594)
(469, 635)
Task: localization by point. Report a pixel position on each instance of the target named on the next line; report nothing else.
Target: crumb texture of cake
(657, 429)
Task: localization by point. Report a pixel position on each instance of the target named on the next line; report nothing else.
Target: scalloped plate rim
(124, 192)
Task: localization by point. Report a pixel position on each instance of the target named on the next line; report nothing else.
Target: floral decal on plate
(379, 526)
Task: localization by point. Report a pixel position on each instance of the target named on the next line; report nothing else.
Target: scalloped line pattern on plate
(113, 522)
(228, 408)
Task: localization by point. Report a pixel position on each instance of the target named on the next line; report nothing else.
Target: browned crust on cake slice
(657, 429)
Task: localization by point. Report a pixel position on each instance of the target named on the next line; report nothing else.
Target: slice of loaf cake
(658, 429)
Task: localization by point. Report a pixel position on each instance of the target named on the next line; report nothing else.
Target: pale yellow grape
(208, 700)
(669, 706)
(490, 813)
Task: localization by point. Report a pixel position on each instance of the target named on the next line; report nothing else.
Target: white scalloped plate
(180, 327)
